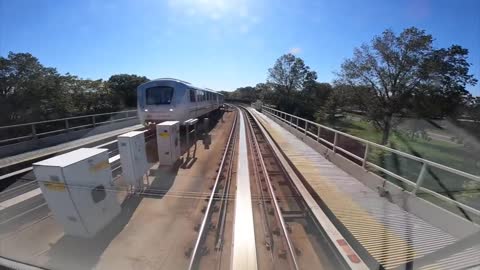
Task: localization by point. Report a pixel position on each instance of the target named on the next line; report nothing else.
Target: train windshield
(159, 95)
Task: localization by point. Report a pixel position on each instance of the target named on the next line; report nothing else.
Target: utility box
(78, 189)
(168, 142)
(133, 157)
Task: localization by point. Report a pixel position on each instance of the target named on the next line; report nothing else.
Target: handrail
(66, 118)
(66, 127)
(368, 146)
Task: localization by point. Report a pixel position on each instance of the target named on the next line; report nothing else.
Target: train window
(200, 96)
(159, 95)
(192, 95)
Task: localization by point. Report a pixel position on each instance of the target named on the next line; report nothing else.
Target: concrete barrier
(22, 147)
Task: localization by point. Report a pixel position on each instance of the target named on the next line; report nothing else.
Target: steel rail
(224, 202)
(202, 231)
(278, 211)
(266, 224)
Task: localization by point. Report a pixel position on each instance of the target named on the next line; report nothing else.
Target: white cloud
(295, 50)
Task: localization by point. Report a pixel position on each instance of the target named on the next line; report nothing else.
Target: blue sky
(221, 44)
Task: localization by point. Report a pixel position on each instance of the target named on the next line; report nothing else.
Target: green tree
(399, 69)
(246, 93)
(29, 91)
(264, 92)
(226, 94)
(313, 97)
(124, 87)
(338, 98)
(474, 109)
(288, 75)
(444, 76)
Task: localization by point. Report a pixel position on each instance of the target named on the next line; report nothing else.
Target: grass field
(451, 154)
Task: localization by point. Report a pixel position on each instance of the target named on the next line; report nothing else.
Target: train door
(193, 105)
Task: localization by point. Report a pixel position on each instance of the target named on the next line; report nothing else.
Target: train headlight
(146, 110)
(171, 110)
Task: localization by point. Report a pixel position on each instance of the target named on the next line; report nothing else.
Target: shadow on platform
(163, 181)
(71, 252)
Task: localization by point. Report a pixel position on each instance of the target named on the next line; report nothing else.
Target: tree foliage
(337, 99)
(30, 91)
(403, 74)
(124, 87)
(444, 77)
(290, 74)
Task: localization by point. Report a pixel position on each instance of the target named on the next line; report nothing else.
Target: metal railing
(293, 121)
(33, 131)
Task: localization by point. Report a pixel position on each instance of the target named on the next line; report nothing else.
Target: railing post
(34, 132)
(420, 178)
(318, 133)
(335, 138)
(296, 126)
(306, 126)
(365, 156)
(291, 121)
(93, 120)
(67, 126)
(187, 128)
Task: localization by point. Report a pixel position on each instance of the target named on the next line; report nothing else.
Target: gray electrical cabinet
(133, 157)
(79, 191)
(168, 142)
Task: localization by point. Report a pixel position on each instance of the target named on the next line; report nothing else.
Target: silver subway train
(171, 99)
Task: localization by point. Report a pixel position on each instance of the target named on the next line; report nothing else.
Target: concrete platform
(154, 230)
(394, 237)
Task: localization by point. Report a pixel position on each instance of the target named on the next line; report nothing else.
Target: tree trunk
(387, 126)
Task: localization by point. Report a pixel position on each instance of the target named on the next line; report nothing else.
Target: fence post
(335, 138)
(67, 126)
(420, 178)
(34, 132)
(318, 133)
(306, 126)
(187, 128)
(365, 156)
(93, 120)
(296, 126)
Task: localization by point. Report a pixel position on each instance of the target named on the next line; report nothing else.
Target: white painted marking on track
(244, 250)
